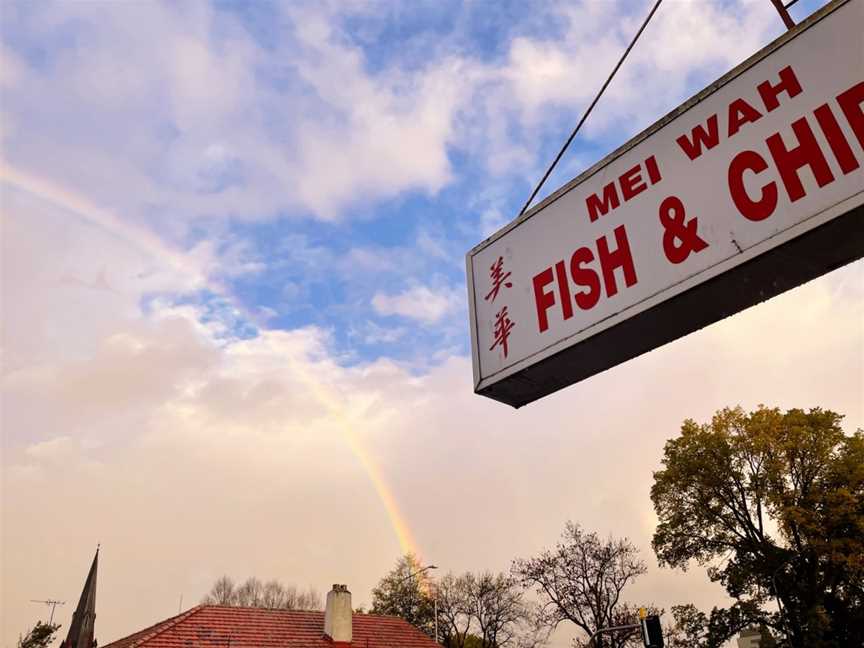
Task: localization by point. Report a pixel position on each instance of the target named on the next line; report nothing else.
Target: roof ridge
(165, 625)
(224, 606)
(386, 616)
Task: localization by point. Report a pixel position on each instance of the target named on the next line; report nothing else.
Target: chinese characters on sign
(503, 323)
(499, 278)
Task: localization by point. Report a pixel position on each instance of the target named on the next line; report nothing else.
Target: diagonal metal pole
(590, 108)
(784, 12)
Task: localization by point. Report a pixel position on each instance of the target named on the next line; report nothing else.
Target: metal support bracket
(784, 12)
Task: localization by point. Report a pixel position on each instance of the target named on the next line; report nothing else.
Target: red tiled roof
(212, 626)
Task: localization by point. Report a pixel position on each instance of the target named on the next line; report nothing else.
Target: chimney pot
(337, 615)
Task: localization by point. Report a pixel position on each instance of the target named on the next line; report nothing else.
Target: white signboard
(772, 151)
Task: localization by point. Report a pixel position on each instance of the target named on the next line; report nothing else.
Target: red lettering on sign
(754, 210)
(503, 326)
(543, 300)
(653, 170)
(700, 137)
(836, 139)
(499, 278)
(612, 260)
(631, 183)
(770, 93)
(850, 103)
(564, 290)
(680, 232)
(596, 208)
(740, 113)
(585, 277)
(704, 137)
(808, 153)
(789, 161)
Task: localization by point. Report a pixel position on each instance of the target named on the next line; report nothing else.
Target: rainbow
(155, 248)
(137, 237)
(407, 544)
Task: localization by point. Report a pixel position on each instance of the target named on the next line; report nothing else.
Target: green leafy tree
(473, 641)
(407, 592)
(40, 636)
(772, 503)
(692, 628)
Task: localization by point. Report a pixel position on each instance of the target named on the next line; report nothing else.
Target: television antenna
(53, 605)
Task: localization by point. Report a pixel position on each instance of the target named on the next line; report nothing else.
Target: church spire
(83, 619)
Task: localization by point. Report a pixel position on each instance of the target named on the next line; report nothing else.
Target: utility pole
(53, 605)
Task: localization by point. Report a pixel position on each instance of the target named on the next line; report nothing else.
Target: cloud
(432, 246)
(227, 124)
(419, 303)
(222, 125)
(204, 455)
(256, 474)
(372, 333)
(491, 220)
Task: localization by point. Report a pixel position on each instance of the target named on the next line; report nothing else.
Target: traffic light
(652, 633)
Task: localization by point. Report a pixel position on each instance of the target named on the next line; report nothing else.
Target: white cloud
(491, 220)
(49, 449)
(419, 303)
(432, 246)
(224, 126)
(372, 333)
(547, 80)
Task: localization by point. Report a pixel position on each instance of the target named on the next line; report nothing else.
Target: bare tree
(454, 610)
(533, 630)
(249, 594)
(581, 580)
(487, 611)
(253, 593)
(497, 606)
(222, 592)
(273, 595)
(308, 599)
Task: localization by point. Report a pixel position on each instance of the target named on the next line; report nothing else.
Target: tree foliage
(40, 636)
(487, 611)
(255, 593)
(582, 580)
(773, 504)
(406, 592)
(474, 610)
(692, 628)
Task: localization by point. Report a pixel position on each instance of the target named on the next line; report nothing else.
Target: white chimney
(337, 616)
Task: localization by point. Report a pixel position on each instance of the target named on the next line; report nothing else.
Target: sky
(234, 312)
